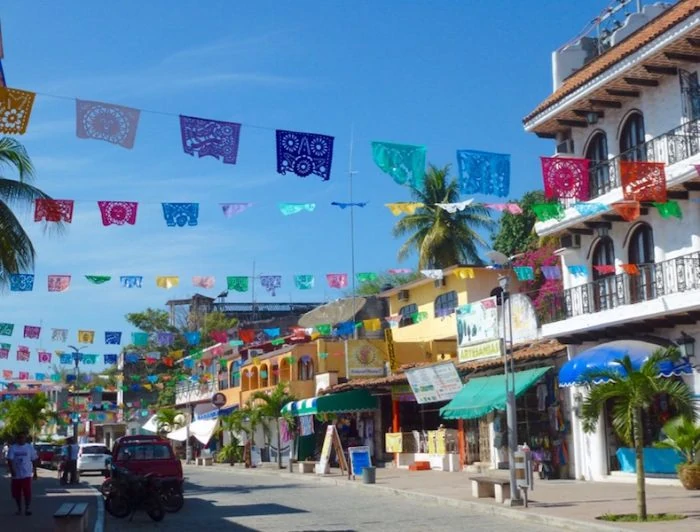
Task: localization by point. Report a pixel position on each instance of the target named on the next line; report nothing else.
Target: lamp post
(509, 374)
(77, 358)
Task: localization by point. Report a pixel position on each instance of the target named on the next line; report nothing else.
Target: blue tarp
(656, 461)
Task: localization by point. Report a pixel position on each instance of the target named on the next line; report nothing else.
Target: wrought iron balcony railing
(671, 276)
(671, 147)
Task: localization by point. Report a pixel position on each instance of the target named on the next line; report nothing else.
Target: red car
(152, 454)
(47, 452)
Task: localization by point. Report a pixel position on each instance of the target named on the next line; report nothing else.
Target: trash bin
(369, 475)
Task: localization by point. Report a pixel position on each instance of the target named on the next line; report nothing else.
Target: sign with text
(365, 358)
(477, 323)
(431, 384)
(359, 459)
(331, 441)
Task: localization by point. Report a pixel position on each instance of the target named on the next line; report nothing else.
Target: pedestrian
(21, 460)
(70, 465)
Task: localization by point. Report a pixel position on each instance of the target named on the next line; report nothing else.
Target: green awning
(335, 403)
(482, 395)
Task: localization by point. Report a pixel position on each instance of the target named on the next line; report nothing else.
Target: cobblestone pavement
(223, 500)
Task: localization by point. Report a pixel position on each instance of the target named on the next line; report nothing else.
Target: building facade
(630, 262)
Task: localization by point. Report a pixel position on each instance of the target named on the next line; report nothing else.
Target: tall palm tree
(440, 238)
(16, 249)
(632, 391)
(271, 407)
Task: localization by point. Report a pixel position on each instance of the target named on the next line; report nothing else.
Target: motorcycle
(170, 489)
(125, 493)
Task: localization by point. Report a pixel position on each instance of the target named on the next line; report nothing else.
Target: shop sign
(477, 323)
(402, 393)
(431, 384)
(393, 442)
(524, 318)
(365, 359)
(475, 352)
(359, 459)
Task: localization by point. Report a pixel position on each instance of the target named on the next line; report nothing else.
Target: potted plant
(683, 435)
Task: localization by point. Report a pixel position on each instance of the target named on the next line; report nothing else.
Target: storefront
(602, 452)
(481, 405)
(354, 414)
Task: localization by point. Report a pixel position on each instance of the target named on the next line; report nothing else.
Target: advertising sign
(359, 459)
(431, 384)
(477, 324)
(365, 358)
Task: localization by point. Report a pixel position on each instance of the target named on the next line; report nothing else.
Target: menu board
(432, 384)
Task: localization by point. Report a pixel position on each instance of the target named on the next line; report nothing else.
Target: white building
(635, 96)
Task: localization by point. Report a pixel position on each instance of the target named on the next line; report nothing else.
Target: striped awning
(217, 412)
(335, 403)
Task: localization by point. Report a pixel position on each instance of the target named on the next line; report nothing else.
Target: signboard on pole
(477, 330)
(431, 384)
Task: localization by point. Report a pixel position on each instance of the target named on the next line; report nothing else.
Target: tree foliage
(439, 238)
(373, 287)
(631, 391)
(215, 321)
(26, 414)
(270, 406)
(17, 252)
(516, 231)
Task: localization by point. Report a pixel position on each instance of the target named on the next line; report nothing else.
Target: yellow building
(425, 308)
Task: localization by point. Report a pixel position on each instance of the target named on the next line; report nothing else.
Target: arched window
(264, 376)
(641, 245)
(245, 381)
(603, 280)
(597, 154)
(306, 368)
(445, 304)
(254, 382)
(632, 146)
(641, 253)
(274, 378)
(285, 370)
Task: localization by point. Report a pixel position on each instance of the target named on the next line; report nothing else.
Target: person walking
(21, 460)
(70, 464)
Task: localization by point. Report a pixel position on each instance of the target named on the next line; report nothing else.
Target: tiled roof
(534, 351)
(643, 36)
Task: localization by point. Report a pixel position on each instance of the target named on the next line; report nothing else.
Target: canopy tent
(151, 425)
(335, 403)
(482, 395)
(202, 429)
(604, 357)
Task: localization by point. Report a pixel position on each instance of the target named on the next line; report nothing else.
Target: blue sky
(449, 74)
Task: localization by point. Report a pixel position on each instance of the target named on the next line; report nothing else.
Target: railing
(188, 392)
(653, 281)
(671, 147)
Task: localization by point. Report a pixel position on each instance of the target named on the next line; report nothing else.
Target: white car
(92, 458)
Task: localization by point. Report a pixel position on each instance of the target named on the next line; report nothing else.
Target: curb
(477, 507)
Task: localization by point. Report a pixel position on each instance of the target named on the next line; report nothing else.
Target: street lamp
(77, 358)
(509, 374)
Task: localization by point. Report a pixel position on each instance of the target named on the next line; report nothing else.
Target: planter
(689, 475)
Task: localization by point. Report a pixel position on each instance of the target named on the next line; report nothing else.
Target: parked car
(147, 454)
(47, 452)
(93, 457)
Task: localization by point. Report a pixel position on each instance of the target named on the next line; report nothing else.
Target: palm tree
(271, 407)
(234, 424)
(169, 419)
(27, 414)
(632, 391)
(16, 249)
(440, 238)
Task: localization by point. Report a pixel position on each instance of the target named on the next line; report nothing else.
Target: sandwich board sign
(359, 459)
(331, 441)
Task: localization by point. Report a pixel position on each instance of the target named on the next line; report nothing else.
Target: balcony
(654, 281)
(193, 392)
(671, 147)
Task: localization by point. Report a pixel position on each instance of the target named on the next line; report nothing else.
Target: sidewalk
(566, 504)
(47, 496)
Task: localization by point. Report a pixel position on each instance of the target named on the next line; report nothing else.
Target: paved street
(243, 501)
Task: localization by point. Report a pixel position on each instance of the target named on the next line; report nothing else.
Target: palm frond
(16, 249)
(14, 155)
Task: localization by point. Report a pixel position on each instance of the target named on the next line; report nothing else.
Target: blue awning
(603, 357)
(213, 414)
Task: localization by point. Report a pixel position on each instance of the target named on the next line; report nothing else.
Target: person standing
(21, 460)
(70, 464)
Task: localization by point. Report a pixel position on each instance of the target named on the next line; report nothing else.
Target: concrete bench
(71, 518)
(204, 460)
(306, 466)
(490, 487)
